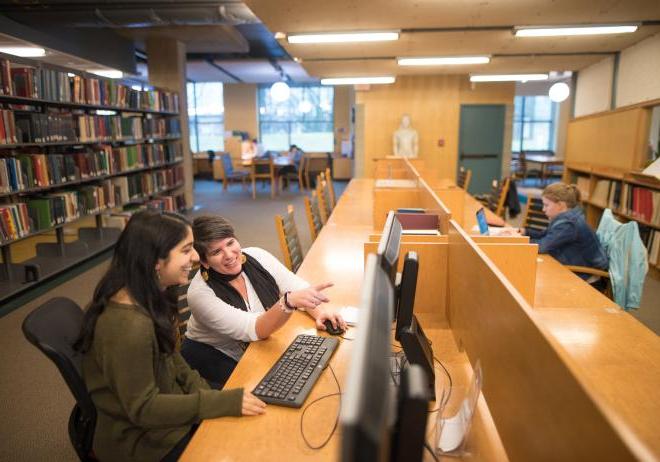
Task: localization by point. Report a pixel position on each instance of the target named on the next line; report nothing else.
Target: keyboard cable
(334, 428)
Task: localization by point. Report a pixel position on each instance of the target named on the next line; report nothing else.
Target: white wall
(594, 88)
(639, 72)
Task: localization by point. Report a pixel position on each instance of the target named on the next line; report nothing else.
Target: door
(480, 144)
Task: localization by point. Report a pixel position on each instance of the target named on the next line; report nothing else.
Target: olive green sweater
(146, 401)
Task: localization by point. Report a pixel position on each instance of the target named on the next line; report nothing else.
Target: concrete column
(167, 70)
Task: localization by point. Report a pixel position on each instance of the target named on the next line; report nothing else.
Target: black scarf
(263, 282)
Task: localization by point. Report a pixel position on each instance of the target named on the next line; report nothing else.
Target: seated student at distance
(568, 238)
(240, 296)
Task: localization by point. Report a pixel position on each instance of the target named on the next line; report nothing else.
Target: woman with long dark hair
(241, 295)
(148, 399)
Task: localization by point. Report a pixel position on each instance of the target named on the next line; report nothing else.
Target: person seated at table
(148, 400)
(240, 295)
(568, 238)
(294, 154)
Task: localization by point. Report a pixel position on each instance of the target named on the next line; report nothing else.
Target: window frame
(194, 120)
(530, 123)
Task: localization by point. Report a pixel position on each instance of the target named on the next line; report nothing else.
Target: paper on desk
(350, 315)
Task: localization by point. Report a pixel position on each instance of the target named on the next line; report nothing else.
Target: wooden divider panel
(454, 200)
(386, 199)
(518, 263)
(541, 410)
(431, 294)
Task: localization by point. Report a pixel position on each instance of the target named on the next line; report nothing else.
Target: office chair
(464, 177)
(289, 239)
(229, 174)
(313, 214)
(53, 328)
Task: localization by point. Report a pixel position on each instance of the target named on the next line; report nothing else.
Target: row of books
(54, 126)
(51, 85)
(651, 239)
(28, 171)
(40, 213)
(635, 201)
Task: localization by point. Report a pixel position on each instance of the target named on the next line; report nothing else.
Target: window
(305, 119)
(534, 122)
(206, 116)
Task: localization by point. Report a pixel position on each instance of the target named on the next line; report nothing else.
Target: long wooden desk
(602, 361)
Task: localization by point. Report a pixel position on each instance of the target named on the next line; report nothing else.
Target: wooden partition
(386, 199)
(518, 264)
(541, 409)
(431, 294)
(454, 199)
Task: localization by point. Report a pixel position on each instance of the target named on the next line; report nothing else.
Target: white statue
(405, 139)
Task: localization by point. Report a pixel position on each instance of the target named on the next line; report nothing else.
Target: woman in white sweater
(240, 296)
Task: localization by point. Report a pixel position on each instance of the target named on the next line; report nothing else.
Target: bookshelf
(77, 154)
(630, 196)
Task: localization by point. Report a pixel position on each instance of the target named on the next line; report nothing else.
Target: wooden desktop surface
(609, 352)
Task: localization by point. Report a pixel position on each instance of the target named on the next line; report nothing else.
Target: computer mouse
(332, 330)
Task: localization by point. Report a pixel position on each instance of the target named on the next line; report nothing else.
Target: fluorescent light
(443, 61)
(357, 80)
(508, 77)
(24, 52)
(109, 73)
(557, 31)
(105, 112)
(344, 37)
(136, 87)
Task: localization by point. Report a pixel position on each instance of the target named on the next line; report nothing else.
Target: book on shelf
(601, 193)
(651, 239)
(14, 221)
(582, 183)
(641, 203)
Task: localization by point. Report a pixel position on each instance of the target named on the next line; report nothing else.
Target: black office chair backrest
(53, 328)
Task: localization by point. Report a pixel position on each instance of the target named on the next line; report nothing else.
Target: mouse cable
(334, 428)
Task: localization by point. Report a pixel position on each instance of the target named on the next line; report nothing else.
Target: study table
(600, 360)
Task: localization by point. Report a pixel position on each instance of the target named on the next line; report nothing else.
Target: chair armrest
(588, 270)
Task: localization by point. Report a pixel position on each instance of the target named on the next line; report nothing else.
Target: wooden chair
(289, 239)
(325, 203)
(495, 201)
(519, 170)
(534, 216)
(263, 169)
(314, 164)
(331, 186)
(229, 174)
(182, 302)
(313, 212)
(464, 177)
(607, 291)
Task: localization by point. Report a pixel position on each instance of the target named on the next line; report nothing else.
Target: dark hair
(149, 236)
(207, 229)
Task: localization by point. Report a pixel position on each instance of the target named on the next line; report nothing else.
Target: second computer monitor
(388, 247)
(406, 293)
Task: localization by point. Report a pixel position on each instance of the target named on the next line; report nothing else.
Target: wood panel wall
(615, 138)
(240, 100)
(433, 102)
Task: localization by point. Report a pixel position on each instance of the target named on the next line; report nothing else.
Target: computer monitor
(367, 406)
(417, 348)
(406, 293)
(388, 247)
(412, 410)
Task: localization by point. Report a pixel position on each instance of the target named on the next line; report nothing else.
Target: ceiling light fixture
(443, 61)
(280, 92)
(508, 77)
(558, 31)
(344, 37)
(559, 92)
(109, 73)
(24, 52)
(358, 80)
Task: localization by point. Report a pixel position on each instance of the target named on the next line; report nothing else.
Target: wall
(240, 100)
(433, 102)
(639, 73)
(344, 95)
(594, 88)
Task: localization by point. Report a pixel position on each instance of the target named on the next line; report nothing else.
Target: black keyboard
(290, 380)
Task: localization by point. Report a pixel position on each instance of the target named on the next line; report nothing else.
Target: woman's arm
(126, 351)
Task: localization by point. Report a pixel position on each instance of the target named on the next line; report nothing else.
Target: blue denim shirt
(571, 241)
